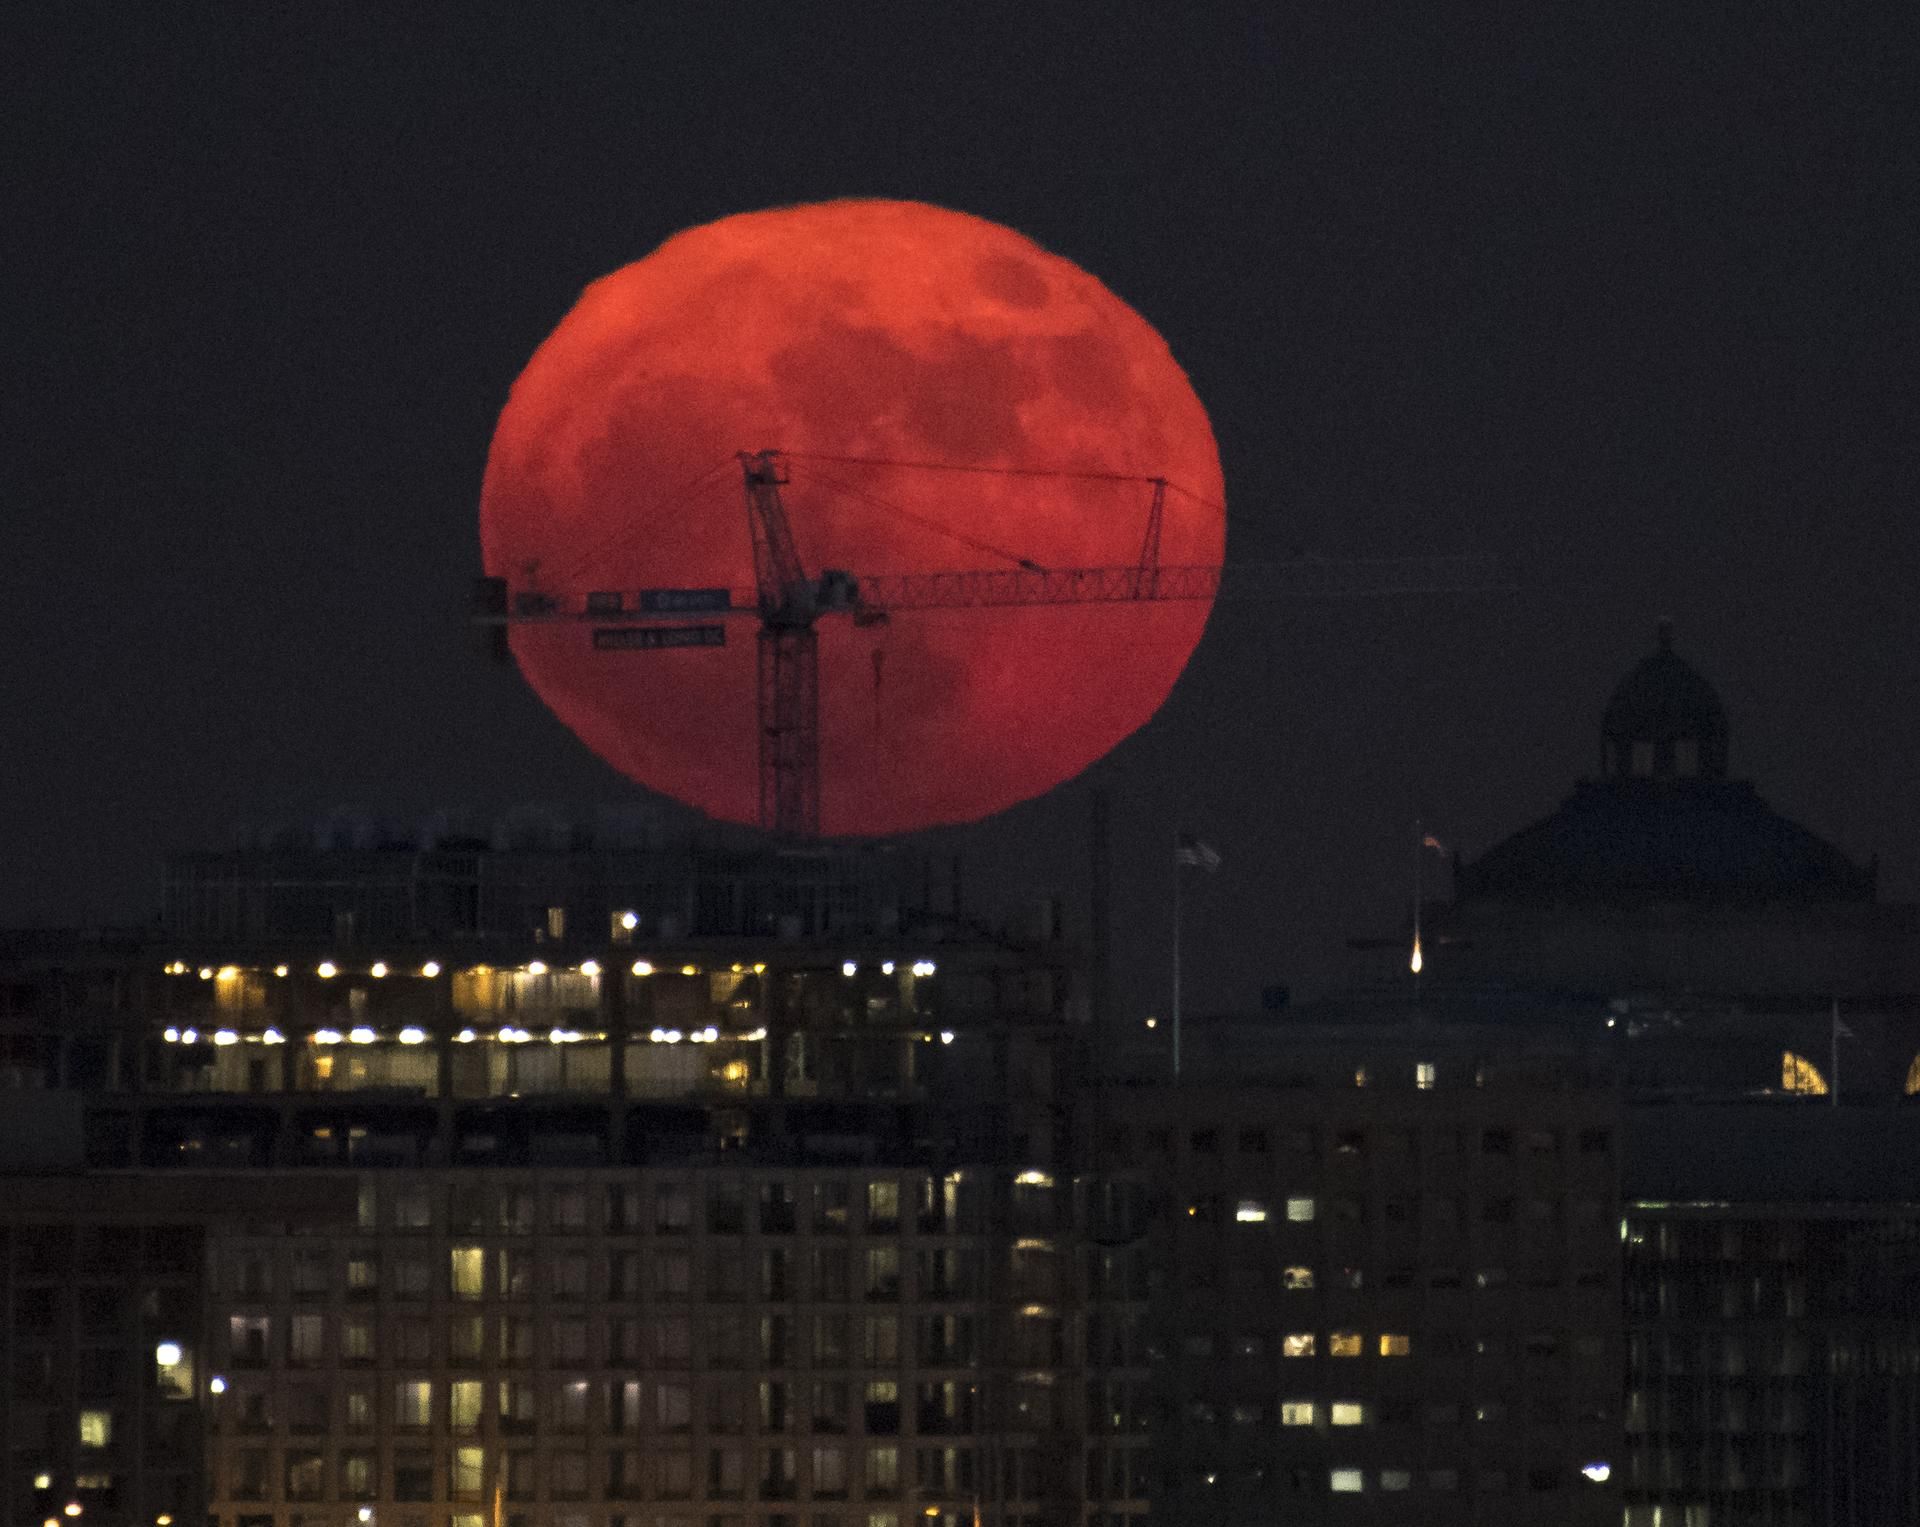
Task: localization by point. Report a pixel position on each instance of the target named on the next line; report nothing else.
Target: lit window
(1395, 1479)
(1250, 1212)
(1395, 1345)
(464, 1404)
(467, 1273)
(1347, 1481)
(1299, 1210)
(1347, 1413)
(1345, 1344)
(1798, 1074)
(1299, 1277)
(96, 1428)
(1913, 1077)
(413, 1402)
(1424, 1075)
(1359, 1080)
(1296, 1412)
(1299, 1344)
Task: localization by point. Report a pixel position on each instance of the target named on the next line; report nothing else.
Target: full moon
(987, 401)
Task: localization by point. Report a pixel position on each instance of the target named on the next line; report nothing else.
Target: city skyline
(1622, 307)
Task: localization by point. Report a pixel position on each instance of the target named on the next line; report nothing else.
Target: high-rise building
(671, 1183)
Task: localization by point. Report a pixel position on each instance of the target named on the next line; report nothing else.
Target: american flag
(1196, 853)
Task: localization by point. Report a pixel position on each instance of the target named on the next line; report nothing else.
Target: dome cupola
(1664, 721)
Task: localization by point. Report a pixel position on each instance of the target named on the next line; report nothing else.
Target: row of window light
(415, 1036)
(380, 969)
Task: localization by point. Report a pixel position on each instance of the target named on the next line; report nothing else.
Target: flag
(1196, 853)
(1840, 1030)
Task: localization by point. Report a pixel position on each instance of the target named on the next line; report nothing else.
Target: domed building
(1664, 874)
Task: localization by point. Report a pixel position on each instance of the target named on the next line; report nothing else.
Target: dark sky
(1623, 294)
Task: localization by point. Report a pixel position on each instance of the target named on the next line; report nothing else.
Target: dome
(1664, 721)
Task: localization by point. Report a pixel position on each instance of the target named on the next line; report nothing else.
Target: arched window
(1798, 1074)
(1913, 1077)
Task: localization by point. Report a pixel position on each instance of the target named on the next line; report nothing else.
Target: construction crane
(788, 603)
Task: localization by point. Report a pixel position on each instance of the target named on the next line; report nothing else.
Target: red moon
(894, 332)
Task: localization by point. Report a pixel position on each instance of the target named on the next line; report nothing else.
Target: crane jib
(656, 638)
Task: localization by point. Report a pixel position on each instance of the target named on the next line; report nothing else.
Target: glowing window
(1395, 1345)
(464, 1402)
(96, 1428)
(1798, 1074)
(1296, 1412)
(1345, 1344)
(413, 1402)
(1299, 1344)
(1299, 1210)
(1424, 1075)
(1346, 1481)
(468, 1272)
(1913, 1077)
(1347, 1413)
(1250, 1212)
(1299, 1277)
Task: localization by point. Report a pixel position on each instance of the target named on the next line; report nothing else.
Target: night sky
(1624, 295)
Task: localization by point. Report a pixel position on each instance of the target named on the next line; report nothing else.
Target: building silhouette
(576, 1172)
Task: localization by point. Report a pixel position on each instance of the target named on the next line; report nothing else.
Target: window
(1296, 1412)
(1250, 1211)
(672, 1209)
(1347, 1413)
(1798, 1074)
(1396, 1479)
(1345, 1344)
(883, 1470)
(1443, 1479)
(1298, 1344)
(468, 1273)
(466, 1472)
(1424, 1075)
(357, 1476)
(1298, 1277)
(412, 1278)
(306, 1339)
(464, 1404)
(829, 1473)
(1346, 1481)
(883, 1206)
(412, 1208)
(1395, 1345)
(96, 1428)
(413, 1402)
(1299, 1210)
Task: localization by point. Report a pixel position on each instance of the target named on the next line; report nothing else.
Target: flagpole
(1176, 954)
(1833, 1056)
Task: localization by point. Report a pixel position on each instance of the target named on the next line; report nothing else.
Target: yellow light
(278, 970)
(1417, 962)
(430, 969)
(225, 1037)
(206, 972)
(72, 1508)
(217, 1384)
(760, 970)
(886, 968)
(164, 1519)
(327, 970)
(1153, 1023)
(589, 967)
(689, 970)
(1034, 1178)
(326, 1036)
(43, 1481)
(847, 968)
(227, 972)
(536, 967)
(413, 1036)
(642, 968)
(361, 1036)
(629, 920)
(379, 969)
